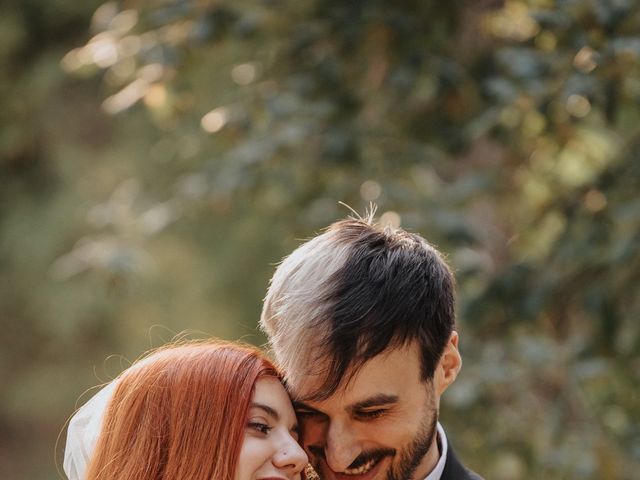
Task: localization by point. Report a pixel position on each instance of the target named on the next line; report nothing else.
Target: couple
(361, 322)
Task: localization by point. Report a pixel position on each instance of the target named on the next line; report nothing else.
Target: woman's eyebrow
(377, 400)
(273, 413)
(267, 409)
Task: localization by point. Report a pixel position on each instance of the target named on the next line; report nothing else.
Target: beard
(411, 456)
(408, 458)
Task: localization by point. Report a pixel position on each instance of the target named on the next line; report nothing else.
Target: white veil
(82, 434)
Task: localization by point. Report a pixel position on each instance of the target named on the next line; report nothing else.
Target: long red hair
(180, 414)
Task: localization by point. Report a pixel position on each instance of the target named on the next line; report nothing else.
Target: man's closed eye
(371, 414)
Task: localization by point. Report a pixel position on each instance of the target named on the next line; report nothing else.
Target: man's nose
(290, 456)
(341, 447)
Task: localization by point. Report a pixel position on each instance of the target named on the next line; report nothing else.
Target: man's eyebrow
(377, 400)
(267, 409)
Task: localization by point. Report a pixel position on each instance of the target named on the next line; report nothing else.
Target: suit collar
(454, 470)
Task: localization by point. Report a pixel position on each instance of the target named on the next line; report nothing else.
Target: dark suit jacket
(454, 470)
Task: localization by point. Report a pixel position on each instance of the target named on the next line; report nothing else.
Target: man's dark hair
(353, 292)
(393, 289)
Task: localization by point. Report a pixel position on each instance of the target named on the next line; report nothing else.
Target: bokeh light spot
(213, 121)
(124, 21)
(390, 218)
(370, 190)
(156, 96)
(578, 106)
(595, 200)
(244, 74)
(126, 97)
(584, 60)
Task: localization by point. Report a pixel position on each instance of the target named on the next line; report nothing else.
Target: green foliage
(505, 133)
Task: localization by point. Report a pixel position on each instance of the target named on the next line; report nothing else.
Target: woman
(199, 411)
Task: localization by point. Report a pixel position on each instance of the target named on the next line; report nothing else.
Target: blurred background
(157, 158)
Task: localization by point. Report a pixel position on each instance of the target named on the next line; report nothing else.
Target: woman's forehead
(270, 392)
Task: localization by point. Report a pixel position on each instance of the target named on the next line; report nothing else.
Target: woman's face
(270, 449)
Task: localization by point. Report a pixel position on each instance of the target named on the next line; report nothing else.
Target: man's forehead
(388, 371)
(304, 387)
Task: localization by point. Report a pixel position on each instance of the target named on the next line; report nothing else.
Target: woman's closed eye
(260, 427)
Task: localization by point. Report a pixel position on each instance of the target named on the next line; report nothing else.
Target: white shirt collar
(436, 473)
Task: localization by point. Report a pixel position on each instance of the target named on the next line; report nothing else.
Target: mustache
(361, 459)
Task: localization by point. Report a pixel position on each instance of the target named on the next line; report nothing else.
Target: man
(361, 319)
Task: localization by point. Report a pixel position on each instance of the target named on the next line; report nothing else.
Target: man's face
(382, 425)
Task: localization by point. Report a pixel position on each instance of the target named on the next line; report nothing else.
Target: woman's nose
(290, 456)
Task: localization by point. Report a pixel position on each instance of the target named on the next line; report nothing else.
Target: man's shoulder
(473, 475)
(454, 470)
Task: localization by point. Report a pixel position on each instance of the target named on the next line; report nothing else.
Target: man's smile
(362, 469)
(369, 471)
(366, 467)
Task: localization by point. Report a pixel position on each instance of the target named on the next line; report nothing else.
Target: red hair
(180, 414)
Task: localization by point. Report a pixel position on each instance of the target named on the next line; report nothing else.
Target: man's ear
(449, 365)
